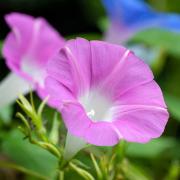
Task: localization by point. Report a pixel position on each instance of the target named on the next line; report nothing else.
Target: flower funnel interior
(97, 106)
(33, 70)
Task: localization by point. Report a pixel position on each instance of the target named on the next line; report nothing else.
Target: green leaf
(133, 172)
(29, 156)
(174, 171)
(89, 36)
(167, 40)
(8, 165)
(173, 104)
(151, 149)
(103, 23)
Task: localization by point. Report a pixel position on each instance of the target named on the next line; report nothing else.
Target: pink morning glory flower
(105, 93)
(27, 49)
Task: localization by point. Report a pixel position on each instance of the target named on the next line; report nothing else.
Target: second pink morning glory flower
(105, 93)
(31, 43)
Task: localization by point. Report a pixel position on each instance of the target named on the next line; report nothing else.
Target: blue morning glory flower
(130, 16)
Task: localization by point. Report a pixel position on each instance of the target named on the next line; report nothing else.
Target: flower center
(97, 106)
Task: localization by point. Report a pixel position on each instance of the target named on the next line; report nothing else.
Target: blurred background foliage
(159, 159)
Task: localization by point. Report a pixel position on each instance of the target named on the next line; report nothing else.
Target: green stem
(97, 168)
(63, 164)
(51, 148)
(120, 150)
(85, 174)
(61, 175)
(41, 133)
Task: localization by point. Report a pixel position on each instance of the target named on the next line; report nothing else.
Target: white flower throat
(97, 106)
(29, 67)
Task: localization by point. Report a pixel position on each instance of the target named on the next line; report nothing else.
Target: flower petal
(118, 10)
(145, 94)
(58, 93)
(140, 123)
(105, 57)
(102, 134)
(78, 124)
(131, 73)
(75, 118)
(71, 66)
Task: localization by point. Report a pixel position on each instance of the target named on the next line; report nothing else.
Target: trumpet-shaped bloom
(105, 93)
(130, 16)
(27, 49)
